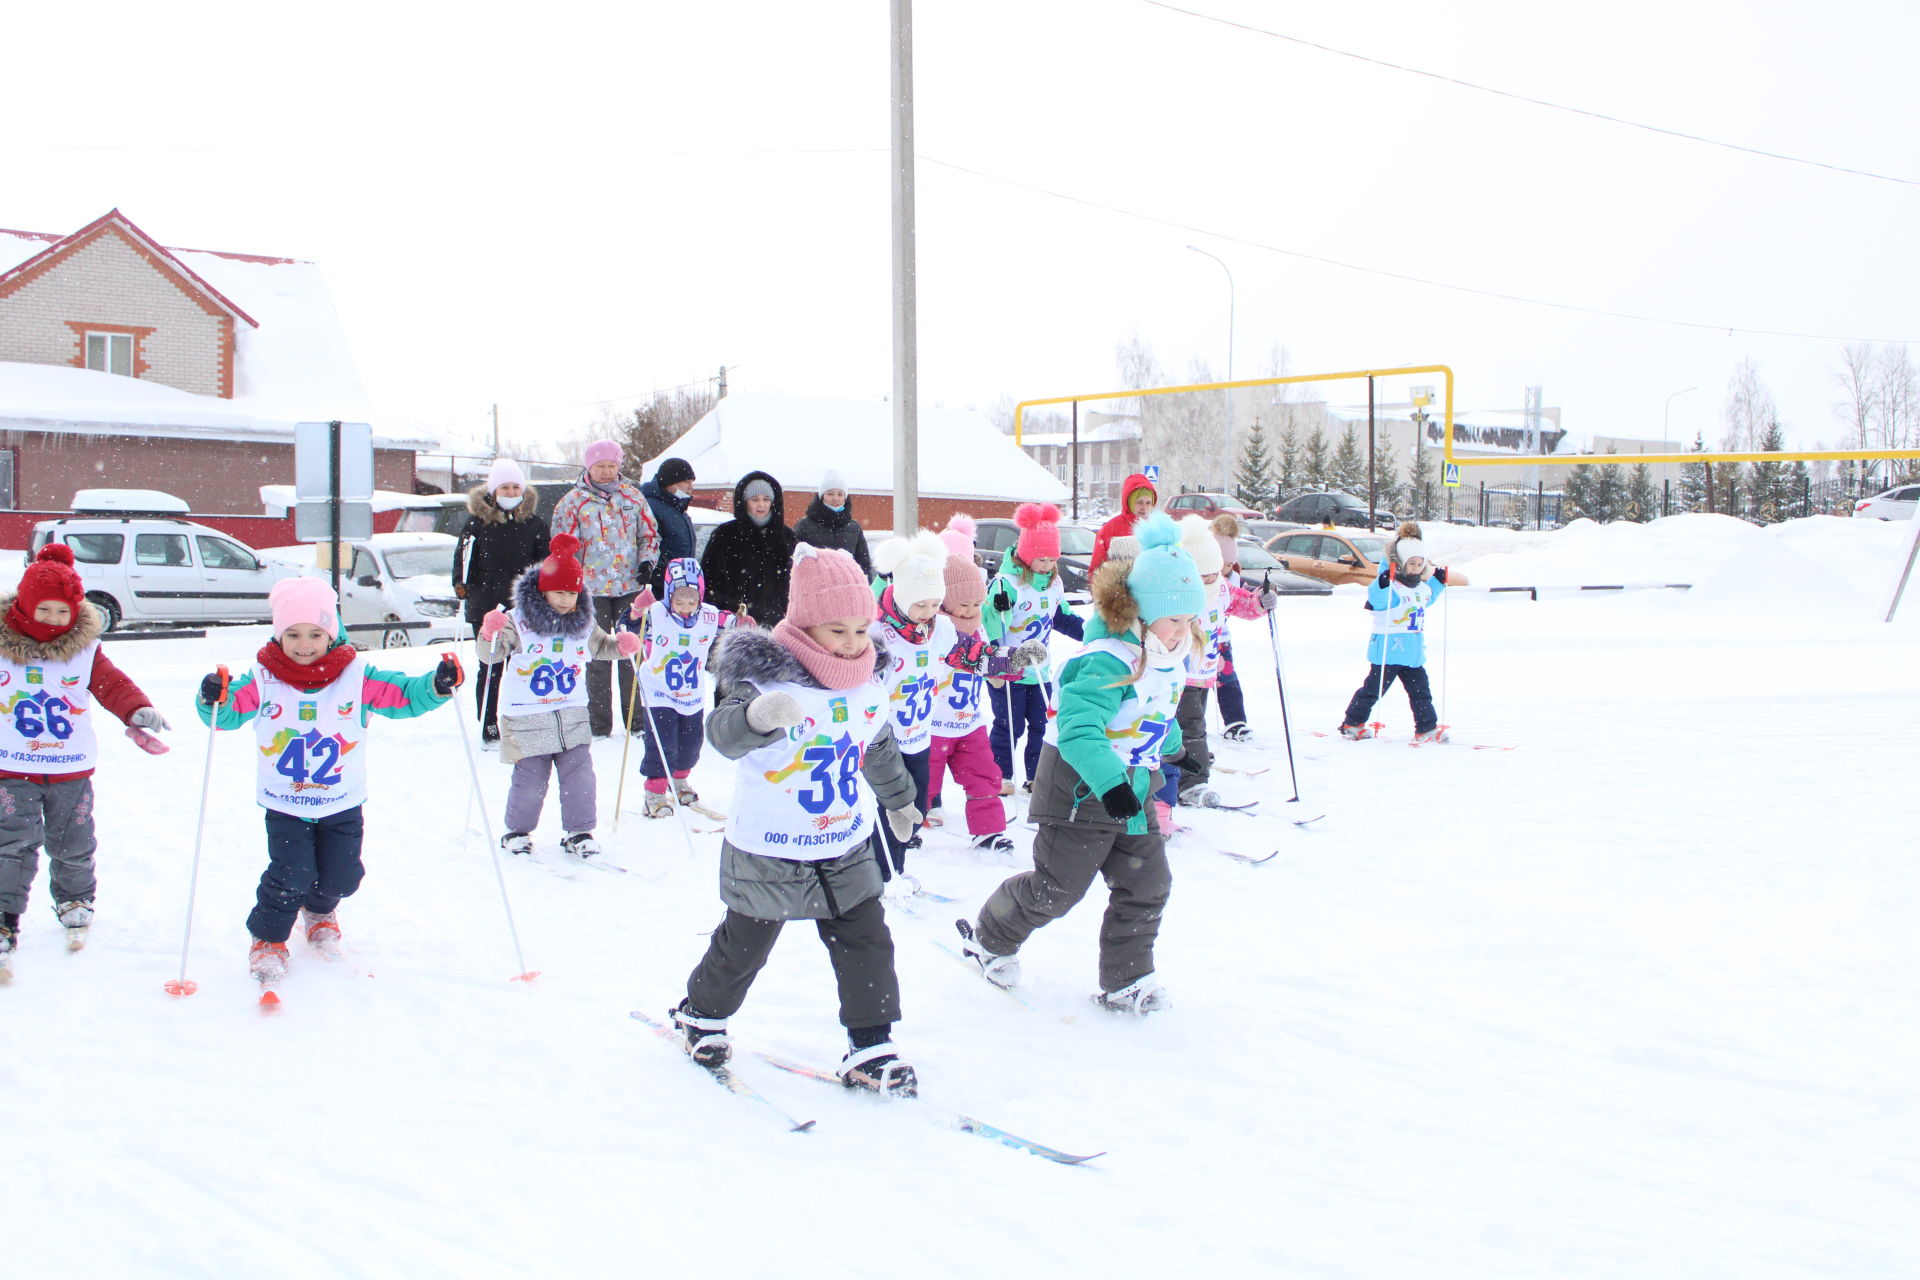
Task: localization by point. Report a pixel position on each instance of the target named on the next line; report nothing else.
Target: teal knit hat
(1164, 580)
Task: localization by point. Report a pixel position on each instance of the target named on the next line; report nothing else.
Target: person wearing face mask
(668, 495)
(620, 544)
(829, 523)
(1399, 598)
(504, 533)
(1117, 720)
(748, 559)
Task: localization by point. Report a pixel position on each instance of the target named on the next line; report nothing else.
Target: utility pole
(906, 391)
(723, 383)
(496, 432)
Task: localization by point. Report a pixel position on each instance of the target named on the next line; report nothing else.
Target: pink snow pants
(971, 759)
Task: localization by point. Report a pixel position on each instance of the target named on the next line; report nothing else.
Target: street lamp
(1228, 485)
(1664, 437)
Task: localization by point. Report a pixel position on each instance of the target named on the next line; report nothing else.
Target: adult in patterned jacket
(829, 522)
(310, 698)
(804, 716)
(1118, 699)
(619, 543)
(748, 558)
(504, 533)
(53, 674)
(1026, 605)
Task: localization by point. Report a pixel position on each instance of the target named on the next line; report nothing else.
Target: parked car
(1259, 567)
(391, 578)
(992, 539)
(156, 568)
(1338, 557)
(1894, 504)
(1208, 505)
(1333, 507)
(1263, 531)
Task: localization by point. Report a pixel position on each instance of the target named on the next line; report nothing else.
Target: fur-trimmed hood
(531, 603)
(480, 503)
(1119, 611)
(753, 656)
(85, 630)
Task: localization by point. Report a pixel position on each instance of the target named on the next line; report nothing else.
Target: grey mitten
(902, 822)
(149, 718)
(1269, 598)
(773, 711)
(1031, 654)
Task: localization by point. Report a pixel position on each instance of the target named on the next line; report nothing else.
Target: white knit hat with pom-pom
(918, 566)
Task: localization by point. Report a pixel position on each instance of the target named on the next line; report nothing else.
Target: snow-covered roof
(291, 360)
(1476, 430)
(796, 439)
(1089, 434)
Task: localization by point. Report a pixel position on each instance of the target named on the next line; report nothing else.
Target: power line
(1538, 102)
(1394, 275)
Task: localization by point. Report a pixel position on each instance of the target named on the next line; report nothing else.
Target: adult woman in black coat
(829, 522)
(748, 558)
(504, 534)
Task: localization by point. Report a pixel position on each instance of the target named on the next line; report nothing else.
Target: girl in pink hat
(1026, 605)
(310, 698)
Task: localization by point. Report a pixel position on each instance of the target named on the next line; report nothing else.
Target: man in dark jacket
(749, 558)
(670, 493)
(829, 522)
(503, 535)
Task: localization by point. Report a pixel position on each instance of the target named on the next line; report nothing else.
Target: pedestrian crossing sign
(1450, 475)
(1151, 472)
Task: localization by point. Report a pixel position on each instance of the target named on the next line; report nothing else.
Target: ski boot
(267, 961)
(1200, 796)
(658, 805)
(997, 842)
(878, 1067)
(1139, 998)
(517, 842)
(1435, 734)
(75, 917)
(1356, 732)
(1237, 732)
(704, 1039)
(683, 794)
(934, 818)
(1164, 812)
(580, 845)
(323, 932)
(9, 938)
(1001, 971)
(1006, 787)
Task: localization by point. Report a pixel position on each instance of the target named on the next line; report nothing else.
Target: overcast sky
(550, 206)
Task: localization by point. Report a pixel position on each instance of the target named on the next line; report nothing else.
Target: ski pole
(660, 751)
(633, 692)
(1445, 666)
(182, 986)
(1286, 729)
(473, 770)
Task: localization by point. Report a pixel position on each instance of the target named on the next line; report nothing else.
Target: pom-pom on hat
(1124, 547)
(1407, 544)
(505, 471)
(600, 451)
(958, 535)
(561, 570)
(1164, 580)
(827, 585)
(1039, 524)
(918, 566)
(1197, 540)
(51, 576)
(303, 600)
(1226, 531)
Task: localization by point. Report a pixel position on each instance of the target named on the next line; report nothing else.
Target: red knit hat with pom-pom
(1039, 531)
(561, 570)
(51, 576)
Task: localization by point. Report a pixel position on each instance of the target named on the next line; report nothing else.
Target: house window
(6, 480)
(110, 353)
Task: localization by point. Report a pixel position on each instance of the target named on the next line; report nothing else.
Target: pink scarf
(831, 670)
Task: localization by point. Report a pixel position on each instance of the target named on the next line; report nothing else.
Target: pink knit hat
(958, 535)
(600, 451)
(298, 600)
(1039, 531)
(966, 583)
(827, 584)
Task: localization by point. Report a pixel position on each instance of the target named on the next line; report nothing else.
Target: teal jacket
(1091, 695)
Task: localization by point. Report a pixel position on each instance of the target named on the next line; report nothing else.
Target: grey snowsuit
(842, 895)
(557, 740)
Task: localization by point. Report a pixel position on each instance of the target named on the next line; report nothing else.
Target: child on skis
(678, 634)
(545, 721)
(1025, 606)
(1199, 540)
(1118, 698)
(960, 716)
(805, 715)
(52, 675)
(1399, 598)
(310, 697)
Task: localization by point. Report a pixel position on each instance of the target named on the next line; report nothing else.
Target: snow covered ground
(1633, 999)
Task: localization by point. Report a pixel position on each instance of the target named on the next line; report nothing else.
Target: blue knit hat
(1164, 580)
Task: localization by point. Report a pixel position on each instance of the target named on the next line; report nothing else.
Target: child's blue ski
(951, 1119)
(728, 1080)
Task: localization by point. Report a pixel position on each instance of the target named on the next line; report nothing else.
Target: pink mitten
(745, 619)
(492, 624)
(628, 643)
(147, 742)
(642, 602)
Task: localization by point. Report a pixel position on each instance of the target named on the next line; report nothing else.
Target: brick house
(127, 364)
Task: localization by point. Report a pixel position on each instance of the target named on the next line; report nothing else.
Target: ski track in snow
(1635, 999)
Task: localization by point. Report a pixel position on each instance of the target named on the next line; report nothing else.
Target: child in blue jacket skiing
(1398, 599)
